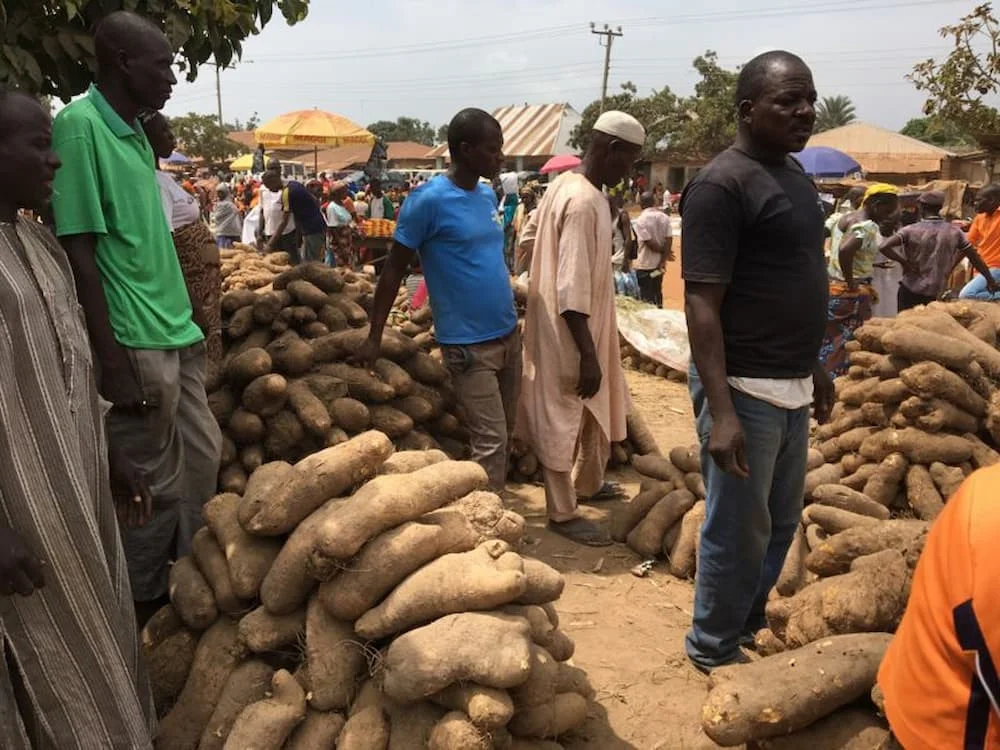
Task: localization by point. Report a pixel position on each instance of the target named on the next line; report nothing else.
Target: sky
(428, 59)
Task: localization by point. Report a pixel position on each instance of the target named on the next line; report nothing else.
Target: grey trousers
(178, 444)
(487, 379)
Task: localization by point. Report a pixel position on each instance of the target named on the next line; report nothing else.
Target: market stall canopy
(312, 127)
(825, 161)
(245, 163)
(177, 158)
(562, 163)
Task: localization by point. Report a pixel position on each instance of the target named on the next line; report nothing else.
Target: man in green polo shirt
(150, 352)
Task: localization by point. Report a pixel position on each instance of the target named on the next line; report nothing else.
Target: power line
(609, 35)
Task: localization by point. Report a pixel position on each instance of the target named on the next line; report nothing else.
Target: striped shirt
(74, 642)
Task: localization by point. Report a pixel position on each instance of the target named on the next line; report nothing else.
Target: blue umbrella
(823, 161)
(177, 158)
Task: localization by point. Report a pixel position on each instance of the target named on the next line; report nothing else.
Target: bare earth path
(629, 631)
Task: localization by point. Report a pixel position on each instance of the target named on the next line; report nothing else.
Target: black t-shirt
(758, 228)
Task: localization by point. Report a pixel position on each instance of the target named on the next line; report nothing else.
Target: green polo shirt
(107, 187)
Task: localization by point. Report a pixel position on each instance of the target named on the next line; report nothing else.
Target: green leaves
(51, 50)
(957, 87)
(201, 135)
(404, 129)
(834, 112)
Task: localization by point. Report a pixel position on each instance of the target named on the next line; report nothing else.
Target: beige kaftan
(570, 270)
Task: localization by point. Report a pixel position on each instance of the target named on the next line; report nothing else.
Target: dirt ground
(629, 631)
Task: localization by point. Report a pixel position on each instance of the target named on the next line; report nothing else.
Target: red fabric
(419, 297)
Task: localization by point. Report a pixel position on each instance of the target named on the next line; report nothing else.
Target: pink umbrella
(561, 164)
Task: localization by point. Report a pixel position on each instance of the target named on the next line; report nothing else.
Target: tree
(404, 129)
(834, 112)
(937, 131)
(703, 124)
(958, 88)
(46, 46)
(252, 123)
(201, 135)
(442, 134)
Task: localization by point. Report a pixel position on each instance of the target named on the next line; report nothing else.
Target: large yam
(684, 553)
(426, 369)
(790, 691)
(405, 462)
(982, 454)
(411, 726)
(660, 468)
(544, 583)
(688, 459)
(291, 355)
(947, 478)
(361, 384)
(473, 647)
(191, 595)
(274, 506)
(640, 435)
(834, 520)
(249, 557)
(935, 415)
(870, 598)
(918, 446)
(922, 494)
(845, 498)
(266, 395)
(834, 555)
(884, 484)
(792, 577)
(848, 729)
(266, 724)
(568, 711)
(487, 708)
(482, 579)
(455, 731)
(336, 659)
(931, 380)
(318, 731)
(367, 726)
(248, 683)
(387, 501)
(632, 513)
(218, 654)
(918, 345)
(826, 474)
(390, 557)
(859, 479)
(488, 516)
(646, 539)
(262, 631)
(935, 325)
(310, 410)
(246, 367)
(351, 415)
(168, 664)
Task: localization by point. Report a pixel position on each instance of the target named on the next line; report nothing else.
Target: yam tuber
(336, 659)
(247, 684)
(266, 724)
(191, 595)
(838, 496)
(836, 553)
(249, 557)
(922, 494)
(646, 539)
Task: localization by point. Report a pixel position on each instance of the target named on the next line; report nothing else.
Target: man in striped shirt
(70, 674)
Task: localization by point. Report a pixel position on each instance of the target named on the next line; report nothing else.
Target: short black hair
(117, 30)
(469, 126)
(751, 81)
(8, 100)
(993, 189)
(646, 200)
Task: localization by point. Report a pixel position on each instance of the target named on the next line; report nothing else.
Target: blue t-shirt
(307, 212)
(459, 235)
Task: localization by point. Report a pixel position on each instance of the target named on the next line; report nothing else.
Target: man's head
(158, 133)
(376, 187)
(615, 144)
(854, 196)
(647, 200)
(272, 180)
(988, 199)
(931, 203)
(135, 54)
(775, 102)
(27, 162)
(222, 191)
(338, 190)
(475, 140)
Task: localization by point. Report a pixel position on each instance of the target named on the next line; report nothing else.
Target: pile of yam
(917, 413)
(363, 598)
(289, 385)
(245, 268)
(633, 359)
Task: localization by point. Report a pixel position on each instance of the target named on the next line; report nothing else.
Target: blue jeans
(749, 523)
(976, 289)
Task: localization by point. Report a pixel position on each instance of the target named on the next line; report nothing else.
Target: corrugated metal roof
(529, 130)
(878, 150)
(335, 159)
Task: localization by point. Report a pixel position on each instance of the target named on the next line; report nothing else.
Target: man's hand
(590, 377)
(130, 488)
(20, 571)
(367, 353)
(727, 445)
(823, 394)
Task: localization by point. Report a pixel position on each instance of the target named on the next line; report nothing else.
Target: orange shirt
(939, 675)
(985, 235)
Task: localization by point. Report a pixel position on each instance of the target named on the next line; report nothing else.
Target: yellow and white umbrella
(312, 127)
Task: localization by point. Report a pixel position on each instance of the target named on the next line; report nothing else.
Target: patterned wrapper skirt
(847, 311)
(199, 257)
(340, 250)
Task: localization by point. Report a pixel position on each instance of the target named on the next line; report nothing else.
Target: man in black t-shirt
(756, 298)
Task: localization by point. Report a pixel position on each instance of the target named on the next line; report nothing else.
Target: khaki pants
(487, 378)
(178, 444)
(562, 488)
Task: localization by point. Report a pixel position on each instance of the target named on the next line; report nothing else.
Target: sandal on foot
(609, 491)
(581, 531)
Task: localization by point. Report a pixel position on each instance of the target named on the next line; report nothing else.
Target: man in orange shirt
(939, 676)
(985, 235)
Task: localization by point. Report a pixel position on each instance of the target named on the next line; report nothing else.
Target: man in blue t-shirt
(298, 202)
(454, 224)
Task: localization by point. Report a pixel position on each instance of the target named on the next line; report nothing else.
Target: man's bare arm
(117, 379)
(590, 369)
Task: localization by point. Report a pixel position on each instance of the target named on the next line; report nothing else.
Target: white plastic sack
(661, 335)
(250, 225)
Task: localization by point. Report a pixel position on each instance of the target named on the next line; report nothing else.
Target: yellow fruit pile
(379, 228)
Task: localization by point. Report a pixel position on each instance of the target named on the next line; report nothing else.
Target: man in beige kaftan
(574, 399)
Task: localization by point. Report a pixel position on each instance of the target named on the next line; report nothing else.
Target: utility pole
(609, 35)
(218, 91)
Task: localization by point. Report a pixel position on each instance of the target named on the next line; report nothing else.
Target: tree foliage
(201, 135)
(46, 46)
(958, 88)
(404, 129)
(834, 112)
(938, 132)
(442, 133)
(703, 124)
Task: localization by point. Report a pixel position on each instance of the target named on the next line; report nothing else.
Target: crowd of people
(112, 329)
